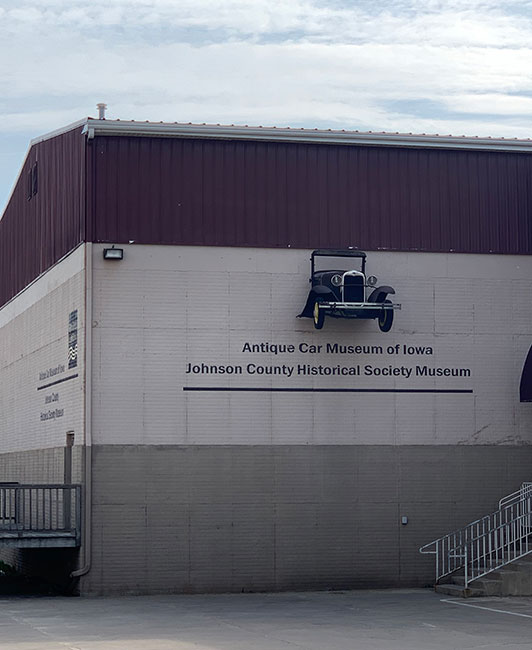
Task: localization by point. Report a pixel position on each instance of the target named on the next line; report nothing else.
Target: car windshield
(336, 263)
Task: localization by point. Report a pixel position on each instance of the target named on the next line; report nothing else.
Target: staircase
(513, 579)
(489, 556)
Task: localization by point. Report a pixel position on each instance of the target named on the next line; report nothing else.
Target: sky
(460, 67)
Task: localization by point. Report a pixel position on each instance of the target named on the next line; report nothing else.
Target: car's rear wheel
(318, 315)
(386, 318)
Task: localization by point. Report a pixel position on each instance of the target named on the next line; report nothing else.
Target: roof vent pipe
(101, 111)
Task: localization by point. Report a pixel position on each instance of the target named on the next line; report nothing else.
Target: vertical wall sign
(73, 339)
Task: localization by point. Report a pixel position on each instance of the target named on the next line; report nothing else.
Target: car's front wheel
(318, 315)
(386, 318)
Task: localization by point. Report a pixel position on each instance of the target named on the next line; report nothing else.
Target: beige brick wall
(164, 307)
(34, 340)
(34, 353)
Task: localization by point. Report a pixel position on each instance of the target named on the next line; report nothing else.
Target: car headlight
(371, 281)
(336, 280)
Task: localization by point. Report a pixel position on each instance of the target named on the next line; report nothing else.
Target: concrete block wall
(241, 518)
(41, 398)
(164, 310)
(216, 490)
(36, 382)
(40, 465)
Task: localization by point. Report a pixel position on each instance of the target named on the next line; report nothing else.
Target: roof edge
(95, 127)
(60, 131)
(37, 140)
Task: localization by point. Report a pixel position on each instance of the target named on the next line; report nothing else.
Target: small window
(33, 181)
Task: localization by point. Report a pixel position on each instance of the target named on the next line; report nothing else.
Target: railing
(524, 491)
(488, 543)
(33, 510)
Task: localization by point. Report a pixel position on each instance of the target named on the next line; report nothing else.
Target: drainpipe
(87, 492)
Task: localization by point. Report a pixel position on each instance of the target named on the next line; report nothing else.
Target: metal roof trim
(54, 134)
(274, 134)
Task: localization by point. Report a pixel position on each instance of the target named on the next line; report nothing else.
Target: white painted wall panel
(164, 307)
(41, 397)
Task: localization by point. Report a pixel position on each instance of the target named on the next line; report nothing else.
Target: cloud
(435, 66)
(357, 65)
(449, 23)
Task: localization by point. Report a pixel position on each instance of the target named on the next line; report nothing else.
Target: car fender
(316, 292)
(323, 292)
(379, 294)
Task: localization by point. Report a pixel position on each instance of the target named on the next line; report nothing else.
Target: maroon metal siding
(267, 194)
(263, 194)
(36, 233)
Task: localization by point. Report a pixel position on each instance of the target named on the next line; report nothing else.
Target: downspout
(87, 492)
(87, 393)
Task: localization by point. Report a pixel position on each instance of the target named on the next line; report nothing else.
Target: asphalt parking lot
(350, 620)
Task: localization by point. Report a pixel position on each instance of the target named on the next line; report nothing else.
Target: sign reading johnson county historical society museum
(360, 367)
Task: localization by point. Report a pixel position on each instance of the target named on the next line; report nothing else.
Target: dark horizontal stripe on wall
(59, 381)
(245, 389)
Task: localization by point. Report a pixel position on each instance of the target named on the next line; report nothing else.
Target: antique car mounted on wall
(347, 293)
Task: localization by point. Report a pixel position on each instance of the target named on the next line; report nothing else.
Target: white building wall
(163, 308)
(41, 397)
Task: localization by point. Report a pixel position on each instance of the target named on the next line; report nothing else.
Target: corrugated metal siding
(36, 233)
(264, 194)
(267, 194)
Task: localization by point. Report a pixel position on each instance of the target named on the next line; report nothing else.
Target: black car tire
(318, 315)
(386, 318)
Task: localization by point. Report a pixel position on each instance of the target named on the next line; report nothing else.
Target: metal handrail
(40, 509)
(523, 491)
(488, 543)
(499, 527)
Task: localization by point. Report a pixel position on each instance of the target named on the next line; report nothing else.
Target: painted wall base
(255, 518)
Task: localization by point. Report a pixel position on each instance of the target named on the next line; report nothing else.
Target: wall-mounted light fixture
(113, 253)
